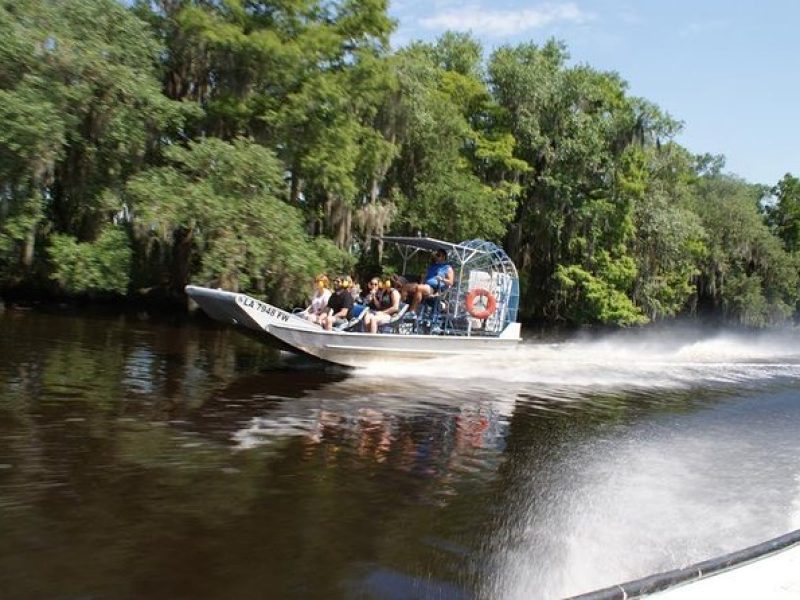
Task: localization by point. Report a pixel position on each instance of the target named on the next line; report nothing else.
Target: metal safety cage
(481, 267)
(486, 266)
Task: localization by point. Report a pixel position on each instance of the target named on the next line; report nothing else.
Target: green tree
(574, 226)
(784, 215)
(214, 215)
(670, 240)
(454, 172)
(746, 272)
(303, 77)
(101, 266)
(82, 109)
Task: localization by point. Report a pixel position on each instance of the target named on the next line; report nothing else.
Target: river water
(157, 458)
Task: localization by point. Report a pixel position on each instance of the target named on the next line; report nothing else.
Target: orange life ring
(491, 303)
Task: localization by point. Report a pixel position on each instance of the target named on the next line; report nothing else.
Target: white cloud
(505, 22)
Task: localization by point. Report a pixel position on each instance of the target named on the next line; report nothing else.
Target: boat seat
(353, 323)
(432, 311)
(391, 326)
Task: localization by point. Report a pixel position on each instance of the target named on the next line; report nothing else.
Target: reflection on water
(185, 460)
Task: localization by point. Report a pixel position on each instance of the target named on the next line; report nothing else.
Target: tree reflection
(192, 450)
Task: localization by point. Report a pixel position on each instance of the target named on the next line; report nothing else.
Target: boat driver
(340, 304)
(439, 277)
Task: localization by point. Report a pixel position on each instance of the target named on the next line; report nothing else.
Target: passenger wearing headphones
(319, 301)
(340, 304)
(386, 303)
(363, 299)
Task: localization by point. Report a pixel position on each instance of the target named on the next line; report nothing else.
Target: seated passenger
(355, 290)
(373, 287)
(319, 300)
(439, 277)
(407, 288)
(364, 301)
(340, 304)
(386, 303)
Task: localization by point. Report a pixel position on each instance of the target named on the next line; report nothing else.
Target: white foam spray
(628, 360)
(638, 499)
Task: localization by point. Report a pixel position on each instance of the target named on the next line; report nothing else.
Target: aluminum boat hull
(343, 347)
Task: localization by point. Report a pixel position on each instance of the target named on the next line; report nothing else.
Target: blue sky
(730, 71)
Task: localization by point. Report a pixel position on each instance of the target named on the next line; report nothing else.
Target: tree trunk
(296, 188)
(339, 216)
(28, 249)
(181, 259)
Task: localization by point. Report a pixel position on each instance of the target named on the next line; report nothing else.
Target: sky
(729, 70)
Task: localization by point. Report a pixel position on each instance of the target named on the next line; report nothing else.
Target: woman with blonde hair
(319, 300)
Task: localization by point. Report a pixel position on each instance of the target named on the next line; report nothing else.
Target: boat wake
(623, 455)
(624, 361)
(648, 490)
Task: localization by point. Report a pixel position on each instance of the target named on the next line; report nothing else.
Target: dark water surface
(144, 458)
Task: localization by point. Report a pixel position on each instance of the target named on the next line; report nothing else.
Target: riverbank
(163, 306)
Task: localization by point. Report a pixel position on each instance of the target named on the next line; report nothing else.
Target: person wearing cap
(340, 304)
(439, 277)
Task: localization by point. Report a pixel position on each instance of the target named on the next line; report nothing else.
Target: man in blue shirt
(439, 277)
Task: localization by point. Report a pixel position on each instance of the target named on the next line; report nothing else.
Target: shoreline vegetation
(250, 145)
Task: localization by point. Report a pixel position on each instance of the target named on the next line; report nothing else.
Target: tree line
(249, 145)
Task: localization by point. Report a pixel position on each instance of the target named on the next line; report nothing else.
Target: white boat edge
(342, 347)
(240, 309)
(770, 569)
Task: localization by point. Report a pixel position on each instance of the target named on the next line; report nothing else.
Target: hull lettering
(268, 309)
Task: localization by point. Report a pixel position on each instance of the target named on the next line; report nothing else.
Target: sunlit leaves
(99, 266)
(589, 298)
(746, 271)
(784, 215)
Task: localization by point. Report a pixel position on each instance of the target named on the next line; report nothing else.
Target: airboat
(477, 315)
